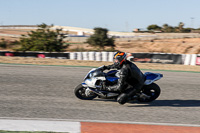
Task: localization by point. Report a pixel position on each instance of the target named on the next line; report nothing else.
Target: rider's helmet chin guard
(119, 58)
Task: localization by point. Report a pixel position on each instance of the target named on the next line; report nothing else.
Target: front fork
(89, 91)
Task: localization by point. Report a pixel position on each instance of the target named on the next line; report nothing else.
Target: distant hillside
(129, 42)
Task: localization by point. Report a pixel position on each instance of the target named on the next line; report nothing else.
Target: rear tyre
(152, 90)
(79, 92)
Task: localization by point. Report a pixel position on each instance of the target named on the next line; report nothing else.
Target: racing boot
(122, 98)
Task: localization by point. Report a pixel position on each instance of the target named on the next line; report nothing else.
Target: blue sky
(115, 15)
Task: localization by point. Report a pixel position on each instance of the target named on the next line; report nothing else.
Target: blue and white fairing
(151, 77)
(112, 76)
(96, 75)
(92, 77)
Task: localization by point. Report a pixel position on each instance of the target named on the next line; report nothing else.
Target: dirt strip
(51, 61)
(89, 127)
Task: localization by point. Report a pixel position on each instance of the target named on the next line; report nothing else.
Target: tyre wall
(163, 58)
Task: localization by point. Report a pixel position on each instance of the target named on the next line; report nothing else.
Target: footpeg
(144, 96)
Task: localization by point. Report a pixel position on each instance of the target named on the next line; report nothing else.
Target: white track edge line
(100, 121)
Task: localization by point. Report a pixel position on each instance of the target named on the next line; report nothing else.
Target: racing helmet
(119, 58)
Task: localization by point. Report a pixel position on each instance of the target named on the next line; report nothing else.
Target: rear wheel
(79, 92)
(152, 91)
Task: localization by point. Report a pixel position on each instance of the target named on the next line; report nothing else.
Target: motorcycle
(96, 78)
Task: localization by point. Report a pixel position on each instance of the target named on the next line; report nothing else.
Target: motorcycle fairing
(89, 73)
(112, 76)
(151, 77)
(111, 73)
(92, 82)
(112, 79)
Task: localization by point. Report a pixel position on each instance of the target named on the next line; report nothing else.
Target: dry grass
(45, 61)
(179, 46)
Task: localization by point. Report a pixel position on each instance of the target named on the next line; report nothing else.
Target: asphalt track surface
(28, 91)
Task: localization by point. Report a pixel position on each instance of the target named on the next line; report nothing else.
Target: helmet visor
(115, 60)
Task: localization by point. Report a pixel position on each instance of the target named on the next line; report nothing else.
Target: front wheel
(79, 92)
(152, 91)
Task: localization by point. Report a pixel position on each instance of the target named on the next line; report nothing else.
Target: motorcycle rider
(130, 81)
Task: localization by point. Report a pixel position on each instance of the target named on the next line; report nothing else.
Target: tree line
(170, 29)
(45, 39)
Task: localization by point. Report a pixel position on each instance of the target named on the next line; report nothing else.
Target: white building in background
(84, 31)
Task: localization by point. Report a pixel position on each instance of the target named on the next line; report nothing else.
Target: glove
(103, 67)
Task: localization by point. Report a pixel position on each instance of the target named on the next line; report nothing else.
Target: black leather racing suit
(131, 79)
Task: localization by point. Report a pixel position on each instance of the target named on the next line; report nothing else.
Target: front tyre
(79, 92)
(152, 91)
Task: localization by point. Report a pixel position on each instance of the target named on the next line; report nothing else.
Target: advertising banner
(157, 58)
(36, 54)
(2, 53)
(198, 60)
(56, 55)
